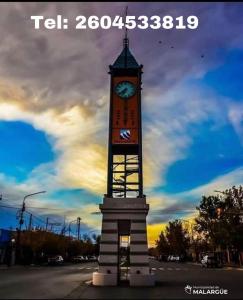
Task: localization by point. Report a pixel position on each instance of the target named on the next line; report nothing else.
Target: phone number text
(107, 22)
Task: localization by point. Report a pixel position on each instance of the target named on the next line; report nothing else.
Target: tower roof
(125, 60)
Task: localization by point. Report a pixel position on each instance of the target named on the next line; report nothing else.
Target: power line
(35, 207)
(44, 208)
(13, 207)
(38, 218)
(28, 212)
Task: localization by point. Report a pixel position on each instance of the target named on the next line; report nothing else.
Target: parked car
(210, 261)
(92, 258)
(79, 259)
(152, 257)
(175, 258)
(162, 257)
(55, 260)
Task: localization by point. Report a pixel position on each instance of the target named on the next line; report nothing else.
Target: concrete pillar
(135, 211)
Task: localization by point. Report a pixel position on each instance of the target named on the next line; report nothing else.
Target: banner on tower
(125, 111)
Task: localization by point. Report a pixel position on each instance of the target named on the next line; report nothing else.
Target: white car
(78, 258)
(55, 260)
(210, 261)
(92, 258)
(173, 258)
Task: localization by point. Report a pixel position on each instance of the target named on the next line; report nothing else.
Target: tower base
(103, 279)
(124, 217)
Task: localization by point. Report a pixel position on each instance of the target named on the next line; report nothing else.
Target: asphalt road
(46, 282)
(73, 282)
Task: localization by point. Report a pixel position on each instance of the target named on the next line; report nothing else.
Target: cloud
(45, 206)
(62, 74)
(170, 126)
(53, 68)
(62, 68)
(221, 183)
(235, 113)
(167, 207)
(80, 161)
(78, 138)
(184, 206)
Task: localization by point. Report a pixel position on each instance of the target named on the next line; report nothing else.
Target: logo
(205, 290)
(125, 134)
(188, 289)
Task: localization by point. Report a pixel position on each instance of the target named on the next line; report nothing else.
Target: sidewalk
(233, 267)
(193, 263)
(226, 266)
(6, 267)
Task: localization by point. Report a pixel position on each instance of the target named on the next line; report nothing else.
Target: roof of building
(125, 59)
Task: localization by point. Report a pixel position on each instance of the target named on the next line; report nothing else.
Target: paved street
(43, 282)
(73, 282)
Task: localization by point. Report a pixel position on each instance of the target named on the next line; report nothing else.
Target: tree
(37, 245)
(74, 248)
(175, 240)
(153, 251)
(208, 222)
(96, 239)
(162, 245)
(232, 211)
(219, 219)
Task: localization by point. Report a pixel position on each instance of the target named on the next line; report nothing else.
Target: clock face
(125, 89)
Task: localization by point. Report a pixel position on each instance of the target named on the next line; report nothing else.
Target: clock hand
(123, 91)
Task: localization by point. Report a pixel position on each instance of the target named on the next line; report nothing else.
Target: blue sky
(220, 152)
(227, 78)
(22, 149)
(54, 96)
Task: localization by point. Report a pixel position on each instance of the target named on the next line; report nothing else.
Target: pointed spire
(126, 60)
(126, 40)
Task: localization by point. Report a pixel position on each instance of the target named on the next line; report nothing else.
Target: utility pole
(69, 227)
(47, 220)
(63, 231)
(30, 222)
(21, 222)
(78, 226)
(21, 219)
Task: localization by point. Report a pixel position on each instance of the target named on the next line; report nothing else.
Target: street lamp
(21, 220)
(69, 227)
(41, 192)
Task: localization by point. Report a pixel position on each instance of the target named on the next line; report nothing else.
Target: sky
(54, 103)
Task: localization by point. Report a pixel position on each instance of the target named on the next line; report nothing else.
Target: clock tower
(123, 247)
(125, 131)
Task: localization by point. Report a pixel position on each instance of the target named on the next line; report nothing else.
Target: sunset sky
(54, 98)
